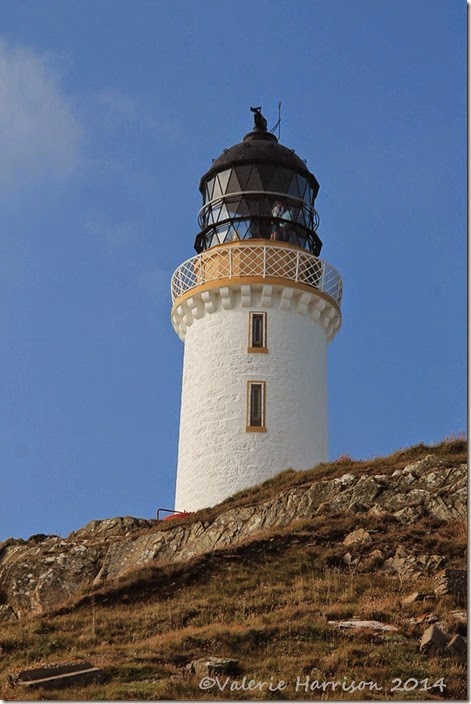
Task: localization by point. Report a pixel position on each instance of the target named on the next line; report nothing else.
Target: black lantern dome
(259, 189)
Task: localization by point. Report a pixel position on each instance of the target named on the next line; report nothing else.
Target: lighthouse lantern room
(256, 309)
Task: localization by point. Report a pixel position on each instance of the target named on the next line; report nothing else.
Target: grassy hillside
(266, 602)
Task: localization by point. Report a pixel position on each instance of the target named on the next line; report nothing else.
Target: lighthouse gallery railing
(265, 261)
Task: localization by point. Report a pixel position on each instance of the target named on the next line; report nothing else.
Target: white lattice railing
(262, 260)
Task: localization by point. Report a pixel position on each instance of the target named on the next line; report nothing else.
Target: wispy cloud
(114, 236)
(122, 106)
(156, 282)
(39, 133)
(121, 109)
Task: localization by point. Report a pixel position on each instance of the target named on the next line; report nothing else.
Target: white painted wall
(216, 456)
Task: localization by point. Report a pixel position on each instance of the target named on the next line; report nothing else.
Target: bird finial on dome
(260, 122)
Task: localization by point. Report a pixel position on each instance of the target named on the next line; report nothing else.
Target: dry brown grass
(266, 601)
(267, 604)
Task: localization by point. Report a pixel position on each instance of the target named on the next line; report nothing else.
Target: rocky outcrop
(41, 574)
(451, 582)
(407, 564)
(111, 528)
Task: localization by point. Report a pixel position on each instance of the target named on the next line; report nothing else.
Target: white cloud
(39, 134)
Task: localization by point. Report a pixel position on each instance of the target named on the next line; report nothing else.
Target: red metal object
(174, 514)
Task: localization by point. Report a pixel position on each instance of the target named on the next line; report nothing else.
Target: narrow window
(257, 332)
(255, 406)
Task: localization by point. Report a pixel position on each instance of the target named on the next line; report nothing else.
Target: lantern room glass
(248, 201)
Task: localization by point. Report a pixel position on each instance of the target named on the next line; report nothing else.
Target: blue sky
(110, 113)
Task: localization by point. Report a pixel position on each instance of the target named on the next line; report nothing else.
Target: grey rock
(347, 558)
(402, 563)
(111, 527)
(430, 563)
(58, 676)
(362, 624)
(366, 490)
(373, 561)
(212, 666)
(419, 467)
(406, 564)
(457, 646)
(433, 638)
(358, 537)
(351, 561)
(376, 510)
(408, 514)
(345, 480)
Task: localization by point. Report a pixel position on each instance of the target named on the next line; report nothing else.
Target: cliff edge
(382, 497)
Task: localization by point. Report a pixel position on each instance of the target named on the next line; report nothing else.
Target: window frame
(263, 347)
(250, 427)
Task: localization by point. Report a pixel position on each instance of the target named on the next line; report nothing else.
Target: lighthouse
(256, 308)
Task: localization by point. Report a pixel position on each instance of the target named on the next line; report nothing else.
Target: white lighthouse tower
(256, 309)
